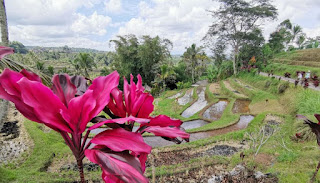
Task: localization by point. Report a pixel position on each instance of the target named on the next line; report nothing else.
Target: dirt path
(289, 79)
(243, 84)
(229, 87)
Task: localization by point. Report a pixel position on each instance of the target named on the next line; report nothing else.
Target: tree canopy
(235, 19)
(140, 56)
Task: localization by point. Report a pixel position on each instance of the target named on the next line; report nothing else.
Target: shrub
(267, 84)
(283, 87)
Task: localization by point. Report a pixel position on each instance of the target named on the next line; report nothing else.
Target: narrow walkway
(230, 88)
(311, 86)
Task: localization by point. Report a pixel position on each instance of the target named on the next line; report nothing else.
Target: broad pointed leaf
(121, 166)
(121, 140)
(315, 128)
(120, 121)
(80, 83)
(171, 132)
(163, 121)
(63, 88)
(30, 75)
(46, 105)
(5, 51)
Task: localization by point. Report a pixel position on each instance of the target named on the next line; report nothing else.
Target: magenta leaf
(63, 88)
(139, 83)
(102, 87)
(80, 83)
(163, 121)
(79, 111)
(46, 105)
(116, 103)
(30, 75)
(5, 51)
(83, 108)
(317, 117)
(120, 121)
(315, 128)
(170, 132)
(137, 103)
(121, 140)
(117, 166)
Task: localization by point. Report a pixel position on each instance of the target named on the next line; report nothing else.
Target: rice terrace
(159, 91)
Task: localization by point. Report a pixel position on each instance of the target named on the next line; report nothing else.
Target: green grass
(295, 165)
(280, 69)
(33, 169)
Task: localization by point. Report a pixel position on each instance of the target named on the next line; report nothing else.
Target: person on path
(308, 74)
(300, 77)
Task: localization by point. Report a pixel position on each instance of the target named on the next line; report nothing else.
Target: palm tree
(3, 24)
(296, 31)
(86, 62)
(300, 41)
(191, 56)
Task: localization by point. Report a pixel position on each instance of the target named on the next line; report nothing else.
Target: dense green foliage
(237, 19)
(144, 56)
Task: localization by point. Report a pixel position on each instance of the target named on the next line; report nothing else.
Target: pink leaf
(317, 117)
(163, 121)
(121, 140)
(120, 166)
(120, 121)
(5, 51)
(167, 132)
(85, 107)
(102, 87)
(79, 110)
(30, 75)
(63, 88)
(116, 103)
(146, 108)
(139, 83)
(142, 105)
(45, 104)
(80, 83)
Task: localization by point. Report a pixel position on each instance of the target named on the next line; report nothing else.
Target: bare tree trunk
(3, 24)
(236, 51)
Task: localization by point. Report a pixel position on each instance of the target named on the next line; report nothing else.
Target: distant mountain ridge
(62, 49)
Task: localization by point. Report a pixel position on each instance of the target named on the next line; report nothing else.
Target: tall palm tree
(191, 56)
(86, 62)
(3, 24)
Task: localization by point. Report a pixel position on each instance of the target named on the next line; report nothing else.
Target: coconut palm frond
(16, 66)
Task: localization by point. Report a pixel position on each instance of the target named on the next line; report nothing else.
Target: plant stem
(80, 167)
(315, 173)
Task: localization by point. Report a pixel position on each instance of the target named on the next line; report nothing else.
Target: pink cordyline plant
(315, 128)
(70, 104)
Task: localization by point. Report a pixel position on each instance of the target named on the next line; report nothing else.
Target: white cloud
(45, 12)
(60, 22)
(94, 24)
(113, 6)
(303, 13)
(183, 22)
(186, 22)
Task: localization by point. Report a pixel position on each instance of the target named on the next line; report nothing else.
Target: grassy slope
(296, 165)
(298, 60)
(34, 168)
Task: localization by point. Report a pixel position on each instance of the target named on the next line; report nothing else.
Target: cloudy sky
(92, 23)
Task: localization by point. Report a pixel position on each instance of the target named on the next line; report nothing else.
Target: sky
(93, 23)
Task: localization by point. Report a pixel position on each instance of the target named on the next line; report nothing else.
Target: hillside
(306, 57)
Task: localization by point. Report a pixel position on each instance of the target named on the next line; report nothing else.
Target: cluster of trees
(150, 57)
(289, 37)
(237, 23)
(142, 56)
